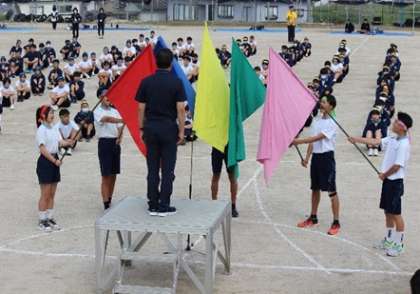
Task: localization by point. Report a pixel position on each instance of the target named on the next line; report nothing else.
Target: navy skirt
(48, 172)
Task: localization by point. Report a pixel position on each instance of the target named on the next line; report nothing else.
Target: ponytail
(42, 114)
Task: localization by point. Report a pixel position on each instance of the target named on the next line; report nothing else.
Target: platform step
(159, 258)
(131, 289)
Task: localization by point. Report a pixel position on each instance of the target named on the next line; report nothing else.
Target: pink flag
(287, 106)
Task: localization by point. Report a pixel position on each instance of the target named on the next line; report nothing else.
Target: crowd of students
(379, 118)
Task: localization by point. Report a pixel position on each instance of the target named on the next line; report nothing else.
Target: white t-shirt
(7, 92)
(106, 57)
(337, 67)
(70, 68)
(57, 90)
(328, 128)
(86, 65)
(108, 71)
(25, 83)
(65, 130)
(186, 69)
(49, 136)
(106, 130)
(189, 46)
(397, 151)
(119, 69)
(129, 51)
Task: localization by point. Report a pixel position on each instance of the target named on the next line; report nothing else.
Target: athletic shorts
(47, 172)
(323, 172)
(392, 191)
(217, 159)
(109, 153)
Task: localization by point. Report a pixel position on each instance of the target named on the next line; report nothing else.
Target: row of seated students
(247, 45)
(379, 118)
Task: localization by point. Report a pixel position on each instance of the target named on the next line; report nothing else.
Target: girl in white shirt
(321, 148)
(48, 140)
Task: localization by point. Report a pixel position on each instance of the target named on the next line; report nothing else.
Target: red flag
(122, 93)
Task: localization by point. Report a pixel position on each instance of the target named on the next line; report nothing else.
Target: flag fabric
(247, 94)
(211, 119)
(288, 105)
(123, 92)
(177, 70)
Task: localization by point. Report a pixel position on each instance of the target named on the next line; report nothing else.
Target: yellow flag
(211, 116)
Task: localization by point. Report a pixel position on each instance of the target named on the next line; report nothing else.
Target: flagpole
(80, 129)
(190, 187)
(299, 152)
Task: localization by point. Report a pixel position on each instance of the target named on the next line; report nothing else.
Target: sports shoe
(54, 225)
(45, 226)
(384, 244)
(153, 212)
(69, 151)
(334, 230)
(12, 107)
(309, 222)
(235, 212)
(167, 211)
(375, 152)
(370, 152)
(395, 250)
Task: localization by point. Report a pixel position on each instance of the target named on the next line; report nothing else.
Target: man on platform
(291, 23)
(161, 100)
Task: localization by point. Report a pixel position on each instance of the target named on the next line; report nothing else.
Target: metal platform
(130, 217)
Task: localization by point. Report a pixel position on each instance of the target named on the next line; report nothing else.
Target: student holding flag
(321, 148)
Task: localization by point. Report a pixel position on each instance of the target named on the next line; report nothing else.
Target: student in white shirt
(85, 66)
(393, 169)
(69, 69)
(337, 68)
(23, 88)
(129, 50)
(142, 42)
(153, 38)
(119, 68)
(60, 95)
(187, 67)
(109, 128)
(180, 46)
(48, 140)
(105, 56)
(321, 147)
(68, 130)
(189, 47)
(9, 94)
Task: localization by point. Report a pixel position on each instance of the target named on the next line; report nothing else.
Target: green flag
(247, 94)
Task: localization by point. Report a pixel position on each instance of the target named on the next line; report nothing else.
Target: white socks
(389, 234)
(398, 237)
(50, 213)
(47, 214)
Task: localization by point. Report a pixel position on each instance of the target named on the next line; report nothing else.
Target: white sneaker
(395, 250)
(45, 226)
(370, 152)
(12, 107)
(54, 225)
(375, 152)
(384, 244)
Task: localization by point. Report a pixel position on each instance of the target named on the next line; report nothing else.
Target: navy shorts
(392, 191)
(47, 172)
(217, 159)
(323, 172)
(109, 153)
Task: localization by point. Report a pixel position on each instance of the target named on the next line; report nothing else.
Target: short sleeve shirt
(105, 129)
(65, 130)
(161, 92)
(58, 90)
(328, 128)
(397, 152)
(49, 136)
(25, 83)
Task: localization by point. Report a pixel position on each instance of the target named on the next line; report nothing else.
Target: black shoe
(167, 211)
(235, 213)
(153, 211)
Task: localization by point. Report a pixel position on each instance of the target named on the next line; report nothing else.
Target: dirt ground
(270, 255)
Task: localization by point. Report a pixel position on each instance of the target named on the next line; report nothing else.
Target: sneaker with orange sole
(334, 230)
(308, 223)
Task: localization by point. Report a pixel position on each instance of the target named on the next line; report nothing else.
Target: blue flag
(177, 70)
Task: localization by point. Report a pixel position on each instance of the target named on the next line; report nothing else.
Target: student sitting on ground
(116, 53)
(349, 27)
(187, 67)
(4, 68)
(105, 56)
(325, 82)
(365, 27)
(68, 130)
(180, 46)
(8, 93)
(85, 120)
(129, 50)
(264, 68)
(54, 74)
(60, 95)
(225, 56)
(75, 48)
(105, 75)
(345, 60)
(374, 128)
(69, 69)
(16, 66)
(85, 66)
(259, 74)
(23, 88)
(337, 68)
(175, 50)
(196, 67)
(253, 44)
(118, 68)
(307, 47)
(38, 82)
(189, 46)
(31, 58)
(94, 63)
(66, 50)
(77, 86)
(50, 52)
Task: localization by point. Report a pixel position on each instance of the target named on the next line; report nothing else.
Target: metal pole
(414, 17)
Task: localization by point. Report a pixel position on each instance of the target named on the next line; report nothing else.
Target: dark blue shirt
(161, 92)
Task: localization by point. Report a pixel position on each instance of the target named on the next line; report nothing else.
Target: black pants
(160, 139)
(75, 30)
(291, 33)
(54, 25)
(101, 28)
